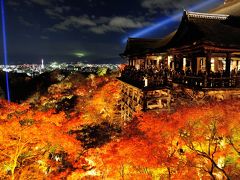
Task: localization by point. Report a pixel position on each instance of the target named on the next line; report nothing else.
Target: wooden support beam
(194, 65)
(176, 63)
(144, 101)
(180, 61)
(145, 63)
(208, 62)
(228, 64)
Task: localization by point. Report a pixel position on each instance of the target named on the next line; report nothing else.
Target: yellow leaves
(102, 106)
(60, 88)
(43, 166)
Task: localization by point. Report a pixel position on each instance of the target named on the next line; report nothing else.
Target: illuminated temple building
(199, 61)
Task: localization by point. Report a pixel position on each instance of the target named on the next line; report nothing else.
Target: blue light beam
(5, 48)
(169, 20)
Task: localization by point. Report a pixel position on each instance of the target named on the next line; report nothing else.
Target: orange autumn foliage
(192, 142)
(28, 138)
(102, 106)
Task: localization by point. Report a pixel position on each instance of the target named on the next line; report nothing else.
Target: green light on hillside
(80, 54)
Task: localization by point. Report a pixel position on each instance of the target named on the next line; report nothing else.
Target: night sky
(83, 30)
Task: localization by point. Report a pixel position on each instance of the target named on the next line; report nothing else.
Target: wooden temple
(201, 60)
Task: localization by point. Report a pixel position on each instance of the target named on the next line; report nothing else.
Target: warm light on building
(184, 64)
(169, 61)
(212, 65)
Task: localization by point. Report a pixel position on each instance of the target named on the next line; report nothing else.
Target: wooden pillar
(216, 65)
(194, 65)
(208, 63)
(149, 62)
(145, 63)
(180, 62)
(228, 64)
(158, 64)
(176, 65)
(198, 64)
(144, 101)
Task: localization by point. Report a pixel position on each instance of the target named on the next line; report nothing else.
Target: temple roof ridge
(199, 15)
(143, 39)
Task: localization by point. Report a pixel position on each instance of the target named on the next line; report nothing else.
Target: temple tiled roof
(212, 29)
(218, 30)
(138, 46)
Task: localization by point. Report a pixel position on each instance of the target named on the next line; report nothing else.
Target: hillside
(73, 131)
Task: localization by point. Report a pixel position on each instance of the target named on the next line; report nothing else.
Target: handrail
(209, 82)
(163, 79)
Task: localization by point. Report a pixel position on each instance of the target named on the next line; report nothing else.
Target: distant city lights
(36, 69)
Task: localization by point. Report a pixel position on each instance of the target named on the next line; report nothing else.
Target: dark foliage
(26, 122)
(61, 157)
(66, 104)
(96, 135)
(23, 86)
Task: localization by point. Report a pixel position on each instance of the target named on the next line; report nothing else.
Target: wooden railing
(153, 83)
(209, 82)
(164, 80)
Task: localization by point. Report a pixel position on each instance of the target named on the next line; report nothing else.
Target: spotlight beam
(5, 48)
(169, 20)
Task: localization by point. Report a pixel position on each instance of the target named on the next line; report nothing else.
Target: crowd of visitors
(152, 77)
(149, 77)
